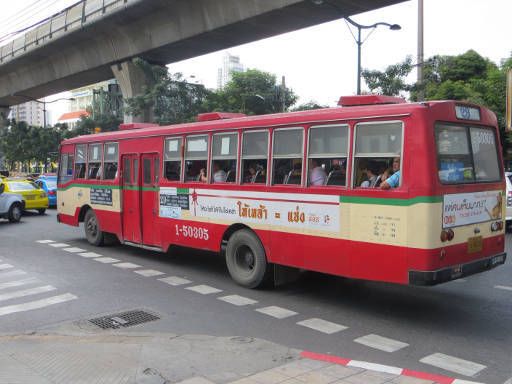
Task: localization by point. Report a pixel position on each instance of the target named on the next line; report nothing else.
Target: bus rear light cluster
(447, 235)
(497, 226)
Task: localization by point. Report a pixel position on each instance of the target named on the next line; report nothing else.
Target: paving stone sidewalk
(148, 358)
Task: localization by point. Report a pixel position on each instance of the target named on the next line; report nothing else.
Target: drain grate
(124, 319)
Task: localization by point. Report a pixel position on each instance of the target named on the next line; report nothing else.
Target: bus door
(131, 199)
(150, 199)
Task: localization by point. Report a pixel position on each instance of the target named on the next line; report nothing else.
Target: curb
(441, 379)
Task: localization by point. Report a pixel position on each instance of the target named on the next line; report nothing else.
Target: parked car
(508, 180)
(48, 183)
(11, 205)
(33, 197)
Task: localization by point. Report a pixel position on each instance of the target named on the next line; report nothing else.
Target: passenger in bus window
(372, 175)
(317, 175)
(393, 181)
(219, 175)
(202, 176)
(255, 172)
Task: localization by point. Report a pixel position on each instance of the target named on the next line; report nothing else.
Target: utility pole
(283, 94)
(421, 93)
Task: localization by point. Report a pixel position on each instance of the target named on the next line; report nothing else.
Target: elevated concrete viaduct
(93, 40)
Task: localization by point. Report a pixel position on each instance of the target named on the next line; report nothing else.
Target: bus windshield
(466, 154)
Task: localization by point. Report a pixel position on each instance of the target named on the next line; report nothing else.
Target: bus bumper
(456, 272)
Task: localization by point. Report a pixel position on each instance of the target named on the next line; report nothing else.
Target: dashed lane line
(3, 267)
(204, 289)
(322, 325)
(16, 272)
(127, 265)
(36, 304)
(238, 300)
(381, 343)
(18, 283)
(45, 241)
(277, 312)
(503, 287)
(106, 260)
(90, 254)
(453, 364)
(175, 280)
(375, 367)
(26, 292)
(59, 245)
(149, 272)
(74, 250)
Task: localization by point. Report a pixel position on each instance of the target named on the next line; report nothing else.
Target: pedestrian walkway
(147, 358)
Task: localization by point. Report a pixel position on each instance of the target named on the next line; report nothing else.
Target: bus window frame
(236, 158)
(307, 154)
(100, 170)
(86, 152)
(373, 155)
(272, 157)
(208, 143)
(268, 158)
(182, 159)
(103, 161)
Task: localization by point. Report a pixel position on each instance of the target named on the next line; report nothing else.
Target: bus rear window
(466, 154)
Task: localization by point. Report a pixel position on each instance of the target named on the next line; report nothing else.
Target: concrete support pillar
(132, 80)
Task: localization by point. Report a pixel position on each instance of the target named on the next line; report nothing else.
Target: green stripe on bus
(384, 201)
(182, 191)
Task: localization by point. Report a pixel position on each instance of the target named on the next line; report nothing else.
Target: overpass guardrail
(74, 17)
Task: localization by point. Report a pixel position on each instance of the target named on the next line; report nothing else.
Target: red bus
(376, 189)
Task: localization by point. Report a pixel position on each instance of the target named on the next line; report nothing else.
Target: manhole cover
(124, 319)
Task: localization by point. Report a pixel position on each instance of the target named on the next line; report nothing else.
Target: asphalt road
(402, 326)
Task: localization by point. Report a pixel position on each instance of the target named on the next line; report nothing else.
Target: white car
(508, 180)
(11, 205)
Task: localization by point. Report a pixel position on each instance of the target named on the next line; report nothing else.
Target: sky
(320, 63)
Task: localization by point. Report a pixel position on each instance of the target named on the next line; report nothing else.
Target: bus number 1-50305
(192, 232)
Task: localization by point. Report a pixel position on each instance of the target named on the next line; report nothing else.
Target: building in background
(85, 96)
(31, 112)
(72, 118)
(230, 64)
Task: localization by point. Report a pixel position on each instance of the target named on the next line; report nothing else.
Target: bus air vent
(209, 116)
(126, 126)
(352, 101)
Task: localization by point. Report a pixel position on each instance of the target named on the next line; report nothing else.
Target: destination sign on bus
(467, 113)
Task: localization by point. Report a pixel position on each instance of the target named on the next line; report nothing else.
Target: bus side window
(110, 161)
(328, 149)
(172, 159)
(196, 158)
(287, 156)
(94, 161)
(224, 154)
(377, 144)
(254, 157)
(80, 161)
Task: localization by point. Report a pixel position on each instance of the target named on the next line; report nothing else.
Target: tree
(172, 99)
(390, 82)
(308, 106)
(252, 92)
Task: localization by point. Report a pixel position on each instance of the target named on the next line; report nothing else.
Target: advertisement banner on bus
(470, 208)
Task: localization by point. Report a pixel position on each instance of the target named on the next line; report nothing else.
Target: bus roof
(335, 114)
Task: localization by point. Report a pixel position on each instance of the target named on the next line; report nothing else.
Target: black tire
(92, 229)
(41, 211)
(246, 260)
(15, 212)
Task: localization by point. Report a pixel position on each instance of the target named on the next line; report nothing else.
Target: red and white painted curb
(441, 379)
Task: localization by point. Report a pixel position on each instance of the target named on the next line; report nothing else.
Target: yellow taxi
(34, 197)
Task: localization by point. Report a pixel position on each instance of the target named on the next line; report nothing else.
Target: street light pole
(359, 42)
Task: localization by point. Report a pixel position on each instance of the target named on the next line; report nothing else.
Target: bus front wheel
(246, 260)
(92, 229)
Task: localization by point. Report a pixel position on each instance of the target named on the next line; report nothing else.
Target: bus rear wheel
(92, 229)
(246, 260)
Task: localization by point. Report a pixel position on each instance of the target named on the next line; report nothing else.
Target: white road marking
(322, 325)
(453, 364)
(277, 312)
(18, 283)
(204, 289)
(90, 254)
(375, 367)
(381, 343)
(460, 281)
(26, 292)
(45, 241)
(175, 280)
(106, 260)
(74, 250)
(238, 300)
(504, 287)
(458, 381)
(5, 266)
(59, 245)
(12, 273)
(127, 265)
(36, 304)
(149, 272)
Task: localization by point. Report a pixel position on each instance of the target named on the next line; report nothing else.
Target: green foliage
(308, 106)
(391, 81)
